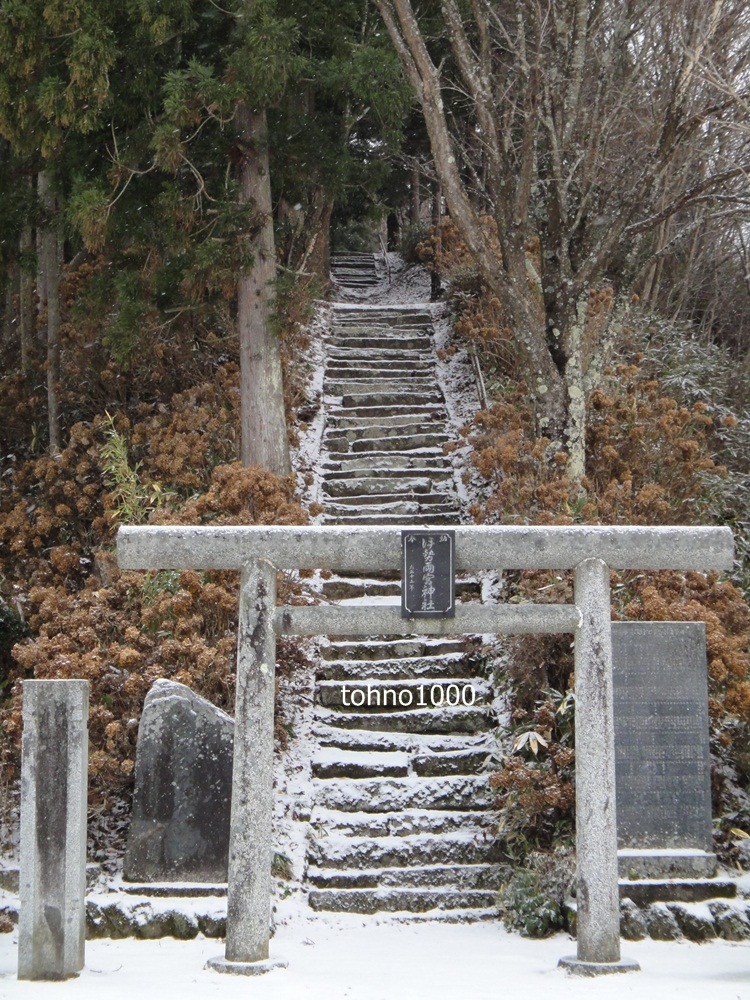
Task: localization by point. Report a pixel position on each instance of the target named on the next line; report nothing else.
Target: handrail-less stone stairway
(400, 818)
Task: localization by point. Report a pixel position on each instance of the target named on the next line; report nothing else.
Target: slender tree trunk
(416, 194)
(317, 256)
(41, 264)
(323, 267)
(575, 431)
(437, 204)
(263, 434)
(9, 317)
(26, 301)
(50, 266)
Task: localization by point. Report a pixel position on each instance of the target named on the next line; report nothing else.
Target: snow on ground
(348, 958)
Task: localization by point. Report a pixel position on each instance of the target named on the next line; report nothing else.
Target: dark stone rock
(696, 925)
(9, 880)
(118, 923)
(168, 923)
(570, 913)
(96, 922)
(184, 926)
(731, 922)
(183, 779)
(150, 925)
(212, 926)
(633, 924)
(662, 925)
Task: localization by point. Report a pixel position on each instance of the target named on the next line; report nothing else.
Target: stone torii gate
(258, 552)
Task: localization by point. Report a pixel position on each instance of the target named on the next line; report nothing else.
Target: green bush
(533, 900)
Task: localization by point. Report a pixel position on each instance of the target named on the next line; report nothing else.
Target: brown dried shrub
(650, 461)
(123, 631)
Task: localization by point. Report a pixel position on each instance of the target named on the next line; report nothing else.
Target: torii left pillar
(249, 878)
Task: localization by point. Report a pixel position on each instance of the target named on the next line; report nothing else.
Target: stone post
(598, 902)
(249, 879)
(54, 772)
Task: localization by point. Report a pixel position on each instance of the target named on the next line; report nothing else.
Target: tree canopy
(577, 144)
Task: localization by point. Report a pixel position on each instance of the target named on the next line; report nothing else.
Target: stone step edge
(675, 921)
(370, 901)
(321, 815)
(676, 890)
(372, 737)
(115, 916)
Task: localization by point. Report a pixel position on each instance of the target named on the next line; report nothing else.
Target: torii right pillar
(598, 901)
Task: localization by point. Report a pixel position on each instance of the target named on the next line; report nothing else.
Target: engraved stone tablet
(661, 735)
(428, 577)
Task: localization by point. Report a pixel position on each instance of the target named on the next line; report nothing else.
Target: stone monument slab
(52, 879)
(179, 827)
(662, 762)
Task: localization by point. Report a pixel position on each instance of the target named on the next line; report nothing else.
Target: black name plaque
(428, 575)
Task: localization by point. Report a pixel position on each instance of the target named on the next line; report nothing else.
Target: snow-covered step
(356, 315)
(329, 733)
(412, 850)
(420, 720)
(364, 341)
(385, 351)
(345, 422)
(394, 900)
(408, 822)
(386, 484)
(356, 400)
(341, 439)
(350, 360)
(407, 694)
(340, 386)
(334, 763)
(360, 366)
(477, 876)
(385, 500)
(423, 520)
(436, 411)
(448, 665)
(354, 270)
(401, 443)
(384, 337)
(363, 764)
(464, 792)
(337, 589)
(431, 464)
(385, 649)
(410, 511)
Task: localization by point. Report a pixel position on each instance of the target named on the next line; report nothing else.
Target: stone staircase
(400, 816)
(355, 270)
(386, 421)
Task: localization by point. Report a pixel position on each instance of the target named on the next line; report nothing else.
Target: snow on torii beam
(259, 551)
(378, 549)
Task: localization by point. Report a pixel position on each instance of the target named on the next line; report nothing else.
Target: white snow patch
(362, 958)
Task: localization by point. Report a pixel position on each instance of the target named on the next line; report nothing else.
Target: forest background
(173, 177)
